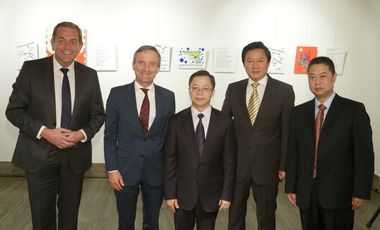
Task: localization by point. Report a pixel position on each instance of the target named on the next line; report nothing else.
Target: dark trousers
(126, 201)
(55, 178)
(185, 220)
(318, 218)
(265, 198)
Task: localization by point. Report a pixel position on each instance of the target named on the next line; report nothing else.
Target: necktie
(144, 111)
(254, 103)
(200, 135)
(318, 125)
(66, 100)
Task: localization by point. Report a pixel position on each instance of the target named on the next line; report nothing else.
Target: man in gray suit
(260, 106)
(57, 105)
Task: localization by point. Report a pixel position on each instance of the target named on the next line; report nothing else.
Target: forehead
(66, 31)
(201, 80)
(319, 68)
(256, 53)
(147, 54)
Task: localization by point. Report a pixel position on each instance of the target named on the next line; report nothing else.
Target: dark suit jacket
(261, 147)
(345, 154)
(189, 177)
(126, 148)
(32, 104)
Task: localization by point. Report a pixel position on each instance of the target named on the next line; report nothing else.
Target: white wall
(346, 24)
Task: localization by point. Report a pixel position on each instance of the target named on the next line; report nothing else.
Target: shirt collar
(206, 112)
(327, 103)
(263, 82)
(57, 67)
(138, 87)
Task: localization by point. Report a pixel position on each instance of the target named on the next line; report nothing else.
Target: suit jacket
(32, 104)
(126, 148)
(189, 177)
(261, 147)
(345, 154)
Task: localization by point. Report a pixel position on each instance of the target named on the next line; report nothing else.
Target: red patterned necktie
(144, 111)
(318, 126)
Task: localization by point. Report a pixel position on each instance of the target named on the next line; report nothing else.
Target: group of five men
(200, 160)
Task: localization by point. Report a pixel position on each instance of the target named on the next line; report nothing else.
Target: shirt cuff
(113, 171)
(85, 136)
(40, 131)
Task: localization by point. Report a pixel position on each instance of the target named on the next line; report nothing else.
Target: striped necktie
(254, 103)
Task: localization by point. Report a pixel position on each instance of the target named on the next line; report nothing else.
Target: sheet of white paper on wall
(278, 60)
(166, 53)
(25, 52)
(192, 58)
(338, 56)
(106, 58)
(225, 58)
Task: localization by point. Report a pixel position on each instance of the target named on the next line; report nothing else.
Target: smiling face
(146, 66)
(321, 81)
(256, 64)
(66, 45)
(201, 91)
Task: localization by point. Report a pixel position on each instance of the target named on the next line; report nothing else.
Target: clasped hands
(61, 137)
(173, 205)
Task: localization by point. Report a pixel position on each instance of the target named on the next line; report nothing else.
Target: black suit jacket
(345, 154)
(189, 177)
(262, 147)
(32, 104)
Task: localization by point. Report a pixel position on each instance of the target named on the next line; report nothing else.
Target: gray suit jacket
(32, 104)
(261, 147)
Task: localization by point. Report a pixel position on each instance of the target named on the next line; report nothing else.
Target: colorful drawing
(82, 56)
(191, 58)
(304, 54)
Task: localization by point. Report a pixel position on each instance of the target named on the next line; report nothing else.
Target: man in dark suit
(330, 157)
(136, 121)
(260, 106)
(57, 104)
(200, 159)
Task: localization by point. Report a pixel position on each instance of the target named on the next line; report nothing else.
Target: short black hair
(203, 73)
(322, 60)
(67, 25)
(253, 46)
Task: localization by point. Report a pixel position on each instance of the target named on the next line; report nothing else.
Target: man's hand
(357, 203)
(116, 180)
(281, 175)
(75, 136)
(59, 137)
(172, 205)
(292, 198)
(223, 204)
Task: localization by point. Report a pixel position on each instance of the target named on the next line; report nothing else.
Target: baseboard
(8, 169)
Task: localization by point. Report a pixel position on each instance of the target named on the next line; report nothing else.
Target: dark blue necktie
(66, 100)
(200, 135)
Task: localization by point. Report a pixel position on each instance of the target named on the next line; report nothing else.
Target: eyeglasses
(196, 89)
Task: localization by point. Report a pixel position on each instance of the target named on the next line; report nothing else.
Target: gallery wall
(351, 25)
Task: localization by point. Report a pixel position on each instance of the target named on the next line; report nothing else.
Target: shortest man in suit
(57, 105)
(200, 159)
(330, 157)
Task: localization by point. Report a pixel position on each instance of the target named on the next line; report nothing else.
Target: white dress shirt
(152, 101)
(205, 119)
(260, 89)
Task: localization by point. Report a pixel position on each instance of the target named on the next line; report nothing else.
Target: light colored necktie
(254, 103)
(318, 126)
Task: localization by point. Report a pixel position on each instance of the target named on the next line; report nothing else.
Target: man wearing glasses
(200, 159)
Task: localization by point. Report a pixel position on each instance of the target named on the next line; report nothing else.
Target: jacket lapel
(334, 110)
(242, 92)
(48, 74)
(189, 130)
(159, 109)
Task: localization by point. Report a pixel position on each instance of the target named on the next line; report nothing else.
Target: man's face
(146, 67)
(321, 81)
(256, 64)
(66, 45)
(201, 92)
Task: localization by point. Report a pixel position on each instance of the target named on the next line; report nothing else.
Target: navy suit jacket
(345, 154)
(189, 177)
(32, 104)
(126, 148)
